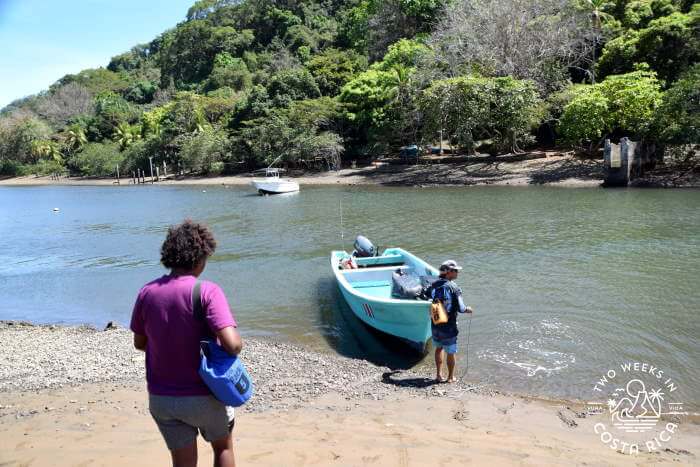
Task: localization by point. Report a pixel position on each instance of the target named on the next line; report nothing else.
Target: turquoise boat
(368, 292)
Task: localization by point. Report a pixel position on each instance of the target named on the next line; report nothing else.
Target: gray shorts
(179, 418)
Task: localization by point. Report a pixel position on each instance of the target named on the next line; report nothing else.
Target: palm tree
(398, 95)
(125, 135)
(54, 152)
(47, 149)
(598, 16)
(154, 128)
(75, 137)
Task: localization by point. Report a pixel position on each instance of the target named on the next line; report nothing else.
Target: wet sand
(76, 396)
(102, 425)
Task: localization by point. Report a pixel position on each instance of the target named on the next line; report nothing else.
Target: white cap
(450, 265)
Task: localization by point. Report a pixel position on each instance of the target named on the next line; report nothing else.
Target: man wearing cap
(445, 335)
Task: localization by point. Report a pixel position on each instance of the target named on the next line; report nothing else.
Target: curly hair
(186, 245)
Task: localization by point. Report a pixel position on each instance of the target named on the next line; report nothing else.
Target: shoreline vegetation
(321, 84)
(85, 387)
(529, 168)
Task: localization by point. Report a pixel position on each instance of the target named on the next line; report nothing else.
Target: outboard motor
(363, 247)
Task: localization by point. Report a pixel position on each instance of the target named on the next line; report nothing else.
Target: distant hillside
(240, 83)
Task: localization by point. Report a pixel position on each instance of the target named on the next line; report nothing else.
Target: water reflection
(350, 337)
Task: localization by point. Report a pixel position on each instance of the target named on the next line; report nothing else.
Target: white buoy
(56, 209)
(204, 191)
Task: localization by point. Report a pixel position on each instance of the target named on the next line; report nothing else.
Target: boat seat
(370, 284)
(377, 268)
(379, 260)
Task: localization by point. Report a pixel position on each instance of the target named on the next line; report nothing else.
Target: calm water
(566, 282)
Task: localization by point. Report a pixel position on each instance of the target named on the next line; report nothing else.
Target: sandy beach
(533, 168)
(514, 169)
(76, 396)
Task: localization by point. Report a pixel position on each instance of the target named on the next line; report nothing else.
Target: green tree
(206, 151)
(298, 134)
(75, 137)
(625, 104)
(125, 135)
(586, 119)
(599, 17)
(111, 110)
(669, 45)
(332, 68)
(47, 149)
(471, 108)
(367, 97)
(229, 72)
(141, 92)
(97, 159)
(291, 85)
(403, 53)
(678, 117)
(18, 132)
(638, 13)
(96, 81)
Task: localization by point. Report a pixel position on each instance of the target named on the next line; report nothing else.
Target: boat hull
(408, 320)
(275, 187)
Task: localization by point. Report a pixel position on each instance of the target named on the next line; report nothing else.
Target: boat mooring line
(469, 331)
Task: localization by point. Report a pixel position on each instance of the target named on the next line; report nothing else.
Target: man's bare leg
(223, 452)
(451, 362)
(185, 457)
(438, 364)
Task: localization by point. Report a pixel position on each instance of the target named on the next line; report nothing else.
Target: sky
(41, 41)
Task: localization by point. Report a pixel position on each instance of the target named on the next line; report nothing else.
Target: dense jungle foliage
(317, 82)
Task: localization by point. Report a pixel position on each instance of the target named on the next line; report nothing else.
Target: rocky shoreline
(49, 357)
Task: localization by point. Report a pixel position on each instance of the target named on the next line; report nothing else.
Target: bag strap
(197, 308)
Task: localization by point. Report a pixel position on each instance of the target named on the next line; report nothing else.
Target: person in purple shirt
(166, 329)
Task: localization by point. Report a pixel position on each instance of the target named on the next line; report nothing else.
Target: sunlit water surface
(566, 283)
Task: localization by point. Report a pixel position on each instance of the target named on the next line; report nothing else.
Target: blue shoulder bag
(222, 372)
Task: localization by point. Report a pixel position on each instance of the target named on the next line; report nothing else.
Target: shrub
(97, 159)
(11, 167)
(587, 117)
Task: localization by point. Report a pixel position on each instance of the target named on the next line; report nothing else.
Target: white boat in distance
(272, 183)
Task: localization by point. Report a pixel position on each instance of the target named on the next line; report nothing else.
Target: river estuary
(566, 282)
